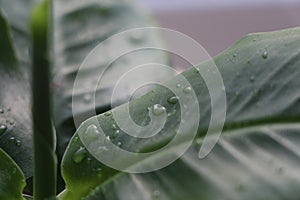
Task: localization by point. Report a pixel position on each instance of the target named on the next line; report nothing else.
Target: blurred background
(216, 24)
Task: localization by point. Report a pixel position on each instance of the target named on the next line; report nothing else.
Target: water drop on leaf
(173, 100)
(13, 139)
(114, 127)
(115, 134)
(11, 122)
(3, 128)
(136, 37)
(265, 55)
(1, 111)
(92, 133)
(79, 155)
(187, 90)
(172, 113)
(18, 143)
(158, 109)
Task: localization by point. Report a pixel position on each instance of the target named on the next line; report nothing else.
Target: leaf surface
(257, 156)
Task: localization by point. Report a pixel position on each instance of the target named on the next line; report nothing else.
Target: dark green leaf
(257, 156)
(15, 113)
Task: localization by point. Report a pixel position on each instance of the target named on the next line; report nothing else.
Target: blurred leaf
(15, 115)
(79, 28)
(257, 157)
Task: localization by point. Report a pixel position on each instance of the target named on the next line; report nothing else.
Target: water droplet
(136, 37)
(114, 127)
(252, 78)
(108, 113)
(3, 128)
(265, 55)
(108, 138)
(98, 169)
(18, 143)
(13, 139)
(1, 111)
(197, 70)
(92, 133)
(11, 122)
(100, 150)
(87, 98)
(119, 143)
(257, 92)
(235, 55)
(254, 40)
(173, 100)
(79, 155)
(178, 85)
(115, 134)
(76, 139)
(158, 109)
(98, 172)
(172, 113)
(187, 90)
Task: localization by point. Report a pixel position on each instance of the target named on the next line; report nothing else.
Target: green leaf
(15, 115)
(12, 180)
(79, 28)
(257, 156)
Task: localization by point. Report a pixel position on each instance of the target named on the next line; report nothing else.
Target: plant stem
(45, 161)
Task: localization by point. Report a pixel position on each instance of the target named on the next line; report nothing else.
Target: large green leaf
(15, 115)
(12, 180)
(257, 156)
(79, 27)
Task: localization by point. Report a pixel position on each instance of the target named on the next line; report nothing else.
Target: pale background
(216, 24)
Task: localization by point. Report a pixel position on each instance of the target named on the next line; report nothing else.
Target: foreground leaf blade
(252, 163)
(261, 90)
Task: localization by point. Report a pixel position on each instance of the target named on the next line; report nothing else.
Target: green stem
(45, 161)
